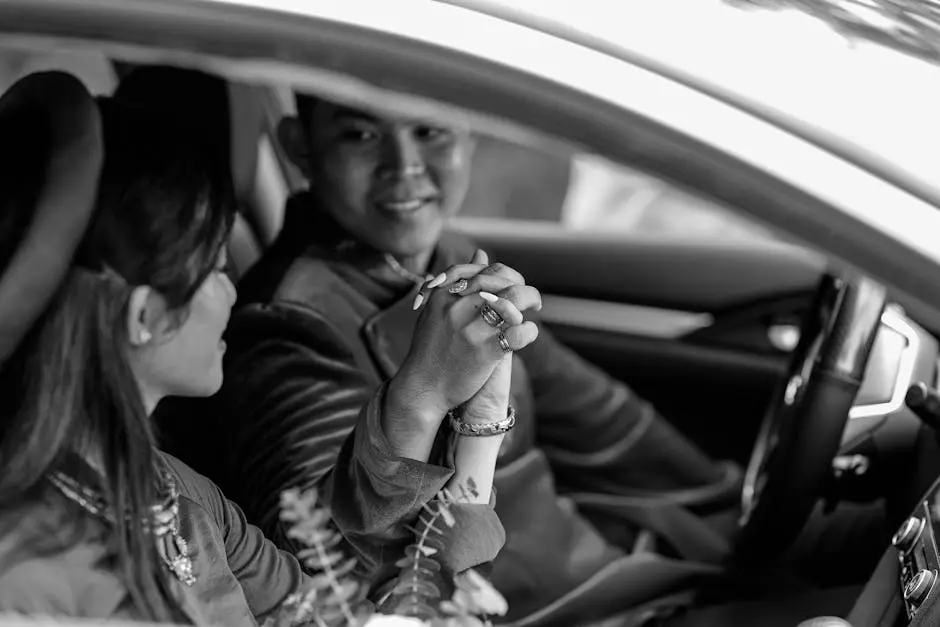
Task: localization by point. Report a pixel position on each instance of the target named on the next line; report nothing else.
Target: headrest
(50, 161)
(205, 103)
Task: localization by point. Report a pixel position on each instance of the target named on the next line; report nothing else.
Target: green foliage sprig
(418, 590)
(336, 596)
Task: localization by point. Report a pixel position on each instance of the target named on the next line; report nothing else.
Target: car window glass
(584, 192)
(92, 68)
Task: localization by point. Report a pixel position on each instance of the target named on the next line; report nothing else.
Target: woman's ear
(290, 134)
(146, 316)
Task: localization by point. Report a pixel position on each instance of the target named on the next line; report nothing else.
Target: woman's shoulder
(191, 484)
(39, 576)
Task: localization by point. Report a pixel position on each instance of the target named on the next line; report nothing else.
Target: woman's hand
(455, 352)
(491, 403)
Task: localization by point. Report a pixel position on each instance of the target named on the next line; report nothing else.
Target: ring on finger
(491, 316)
(503, 342)
(459, 286)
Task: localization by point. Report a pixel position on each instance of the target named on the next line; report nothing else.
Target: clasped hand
(457, 358)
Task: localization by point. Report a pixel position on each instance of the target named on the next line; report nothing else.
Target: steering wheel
(803, 426)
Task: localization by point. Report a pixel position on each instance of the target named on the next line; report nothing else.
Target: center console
(916, 545)
(916, 540)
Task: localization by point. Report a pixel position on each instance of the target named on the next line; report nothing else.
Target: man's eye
(430, 133)
(357, 135)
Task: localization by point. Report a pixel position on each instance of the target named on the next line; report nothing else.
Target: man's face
(390, 181)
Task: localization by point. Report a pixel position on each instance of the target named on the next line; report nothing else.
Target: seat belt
(687, 533)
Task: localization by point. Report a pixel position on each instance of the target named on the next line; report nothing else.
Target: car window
(584, 192)
(522, 176)
(92, 68)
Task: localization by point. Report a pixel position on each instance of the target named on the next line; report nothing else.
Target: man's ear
(290, 133)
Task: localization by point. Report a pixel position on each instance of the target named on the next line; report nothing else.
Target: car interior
(717, 319)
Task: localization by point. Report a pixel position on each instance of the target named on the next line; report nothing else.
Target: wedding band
(490, 316)
(458, 287)
(503, 342)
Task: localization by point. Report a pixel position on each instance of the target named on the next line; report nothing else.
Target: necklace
(404, 272)
(165, 523)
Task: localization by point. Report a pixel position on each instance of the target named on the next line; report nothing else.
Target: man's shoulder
(310, 299)
(312, 281)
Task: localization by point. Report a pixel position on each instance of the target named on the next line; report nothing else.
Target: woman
(95, 521)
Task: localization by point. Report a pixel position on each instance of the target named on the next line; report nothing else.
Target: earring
(145, 336)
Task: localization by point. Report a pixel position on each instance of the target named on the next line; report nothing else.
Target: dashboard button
(908, 534)
(918, 588)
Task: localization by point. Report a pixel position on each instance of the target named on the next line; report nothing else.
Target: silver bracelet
(485, 429)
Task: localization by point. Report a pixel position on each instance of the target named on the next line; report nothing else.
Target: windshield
(876, 102)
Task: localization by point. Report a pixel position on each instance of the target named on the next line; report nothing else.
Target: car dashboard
(918, 559)
(897, 415)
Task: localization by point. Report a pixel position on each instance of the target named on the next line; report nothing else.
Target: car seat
(49, 169)
(228, 114)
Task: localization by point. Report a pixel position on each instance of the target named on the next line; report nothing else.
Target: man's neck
(415, 264)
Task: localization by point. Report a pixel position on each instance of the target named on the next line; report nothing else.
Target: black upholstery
(50, 159)
(244, 245)
(226, 111)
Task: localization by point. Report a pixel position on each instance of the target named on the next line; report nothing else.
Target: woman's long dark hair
(164, 209)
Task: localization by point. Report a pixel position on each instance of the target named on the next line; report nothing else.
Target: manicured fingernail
(418, 300)
(491, 298)
(437, 280)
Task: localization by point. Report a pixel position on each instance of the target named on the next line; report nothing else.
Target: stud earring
(145, 336)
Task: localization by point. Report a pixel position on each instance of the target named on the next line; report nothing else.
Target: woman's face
(390, 181)
(185, 359)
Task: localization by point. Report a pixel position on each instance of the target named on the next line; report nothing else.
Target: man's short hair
(305, 105)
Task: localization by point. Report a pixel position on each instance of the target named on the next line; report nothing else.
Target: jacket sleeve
(304, 415)
(601, 437)
(266, 574)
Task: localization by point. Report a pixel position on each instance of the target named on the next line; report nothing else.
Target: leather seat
(227, 110)
(244, 246)
(50, 159)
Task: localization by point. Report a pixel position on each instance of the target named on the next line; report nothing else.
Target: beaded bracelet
(487, 428)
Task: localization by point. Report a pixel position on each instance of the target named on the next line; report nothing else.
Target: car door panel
(685, 323)
(694, 274)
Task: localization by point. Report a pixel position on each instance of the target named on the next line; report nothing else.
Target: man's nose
(403, 156)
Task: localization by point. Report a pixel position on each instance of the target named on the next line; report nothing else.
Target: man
(327, 316)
